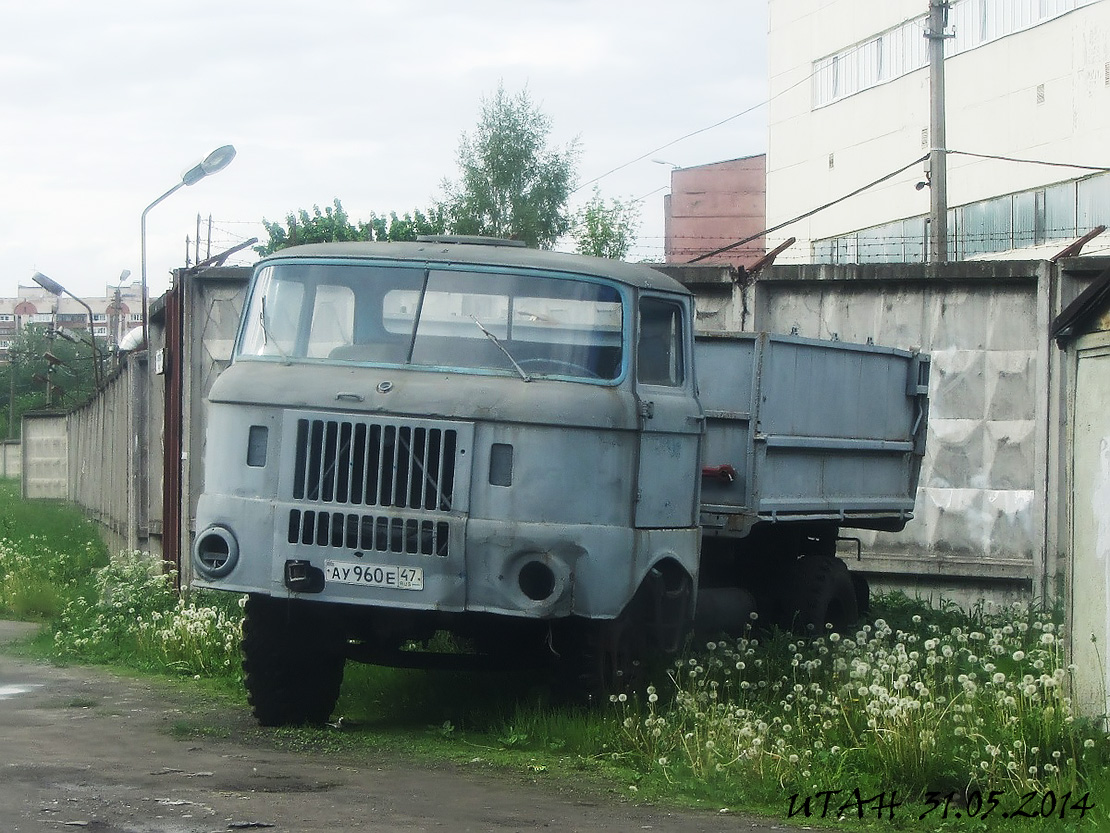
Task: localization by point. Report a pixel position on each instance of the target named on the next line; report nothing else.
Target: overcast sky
(103, 105)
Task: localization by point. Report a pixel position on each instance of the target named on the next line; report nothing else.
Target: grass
(943, 710)
(48, 554)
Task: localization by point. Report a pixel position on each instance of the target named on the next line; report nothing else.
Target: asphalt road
(82, 749)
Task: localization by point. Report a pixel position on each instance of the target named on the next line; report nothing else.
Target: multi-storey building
(114, 315)
(1027, 102)
(712, 206)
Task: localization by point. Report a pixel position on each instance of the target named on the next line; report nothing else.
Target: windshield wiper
(267, 335)
(503, 349)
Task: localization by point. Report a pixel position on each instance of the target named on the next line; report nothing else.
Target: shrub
(138, 614)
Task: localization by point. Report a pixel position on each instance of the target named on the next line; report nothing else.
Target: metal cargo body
(804, 429)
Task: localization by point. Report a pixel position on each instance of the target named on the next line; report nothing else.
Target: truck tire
(598, 658)
(823, 593)
(602, 657)
(863, 593)
(292, 662)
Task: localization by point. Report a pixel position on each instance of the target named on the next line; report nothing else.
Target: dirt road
(81, 749)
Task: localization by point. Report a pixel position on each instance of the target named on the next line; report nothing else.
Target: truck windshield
(441, 318)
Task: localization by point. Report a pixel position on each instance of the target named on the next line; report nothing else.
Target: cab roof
(487, 252)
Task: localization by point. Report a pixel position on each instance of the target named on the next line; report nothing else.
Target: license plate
(374, 575)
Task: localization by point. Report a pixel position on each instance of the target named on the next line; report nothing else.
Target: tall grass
(138, 618)
(48, 554)
(956, 709)
(123, 610)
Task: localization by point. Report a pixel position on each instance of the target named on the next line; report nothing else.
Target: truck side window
(659, 359)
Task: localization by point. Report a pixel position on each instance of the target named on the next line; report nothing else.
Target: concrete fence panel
(11, 458)
(102, 443)
(45, 456)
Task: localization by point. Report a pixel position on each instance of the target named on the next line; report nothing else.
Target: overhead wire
(700, 130)
(811, 212)
(1027, 161)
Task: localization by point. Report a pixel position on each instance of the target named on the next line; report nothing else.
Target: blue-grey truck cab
(510, 445)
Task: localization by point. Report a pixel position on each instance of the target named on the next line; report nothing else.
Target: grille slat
(373, 464)
(379, 464)
(371, 533)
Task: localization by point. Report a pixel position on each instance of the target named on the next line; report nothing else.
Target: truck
(463, 451)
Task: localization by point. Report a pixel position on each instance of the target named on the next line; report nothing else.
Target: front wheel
(292, 662)
(600, 657)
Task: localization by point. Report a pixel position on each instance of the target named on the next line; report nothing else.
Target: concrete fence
(106, 453)
(988, 515)
(124, 456)
(989, 520)
(11, 458)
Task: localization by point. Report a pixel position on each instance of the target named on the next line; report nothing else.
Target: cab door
(671, 420)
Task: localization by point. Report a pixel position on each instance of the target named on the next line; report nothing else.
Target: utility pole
(938, 161)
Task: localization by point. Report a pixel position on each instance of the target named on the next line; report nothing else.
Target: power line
(1029, 161)
(812, 211)
(691, 134)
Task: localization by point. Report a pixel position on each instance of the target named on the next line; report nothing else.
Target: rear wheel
(823, 593)
(292, 661)
(863, 592)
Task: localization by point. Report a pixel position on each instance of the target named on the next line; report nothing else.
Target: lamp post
(55, 288)
(216, 161)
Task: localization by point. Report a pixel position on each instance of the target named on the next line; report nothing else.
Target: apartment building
(114, 314)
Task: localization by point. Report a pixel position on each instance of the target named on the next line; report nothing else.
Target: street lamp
(216, 161)
(55, 288)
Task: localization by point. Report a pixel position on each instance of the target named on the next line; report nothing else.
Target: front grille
(369, 532)
(375, 464)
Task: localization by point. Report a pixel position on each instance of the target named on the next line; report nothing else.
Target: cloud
(104, 105)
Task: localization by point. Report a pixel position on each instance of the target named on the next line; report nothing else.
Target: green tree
(606, 228)
(512, 183)
(30, 381)
(406, 227)
(333, 225)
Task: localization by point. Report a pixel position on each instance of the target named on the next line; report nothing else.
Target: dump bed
(803, 429)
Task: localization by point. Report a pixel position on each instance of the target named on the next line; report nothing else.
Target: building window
(823, 251)
(845, 251)
(1025, 219)
(903, 49)
(1057, 213)
(1092, 200)
(985, 227)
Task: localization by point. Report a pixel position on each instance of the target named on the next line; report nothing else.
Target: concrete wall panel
(102, 436)
(11, 458)
(45, 456)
